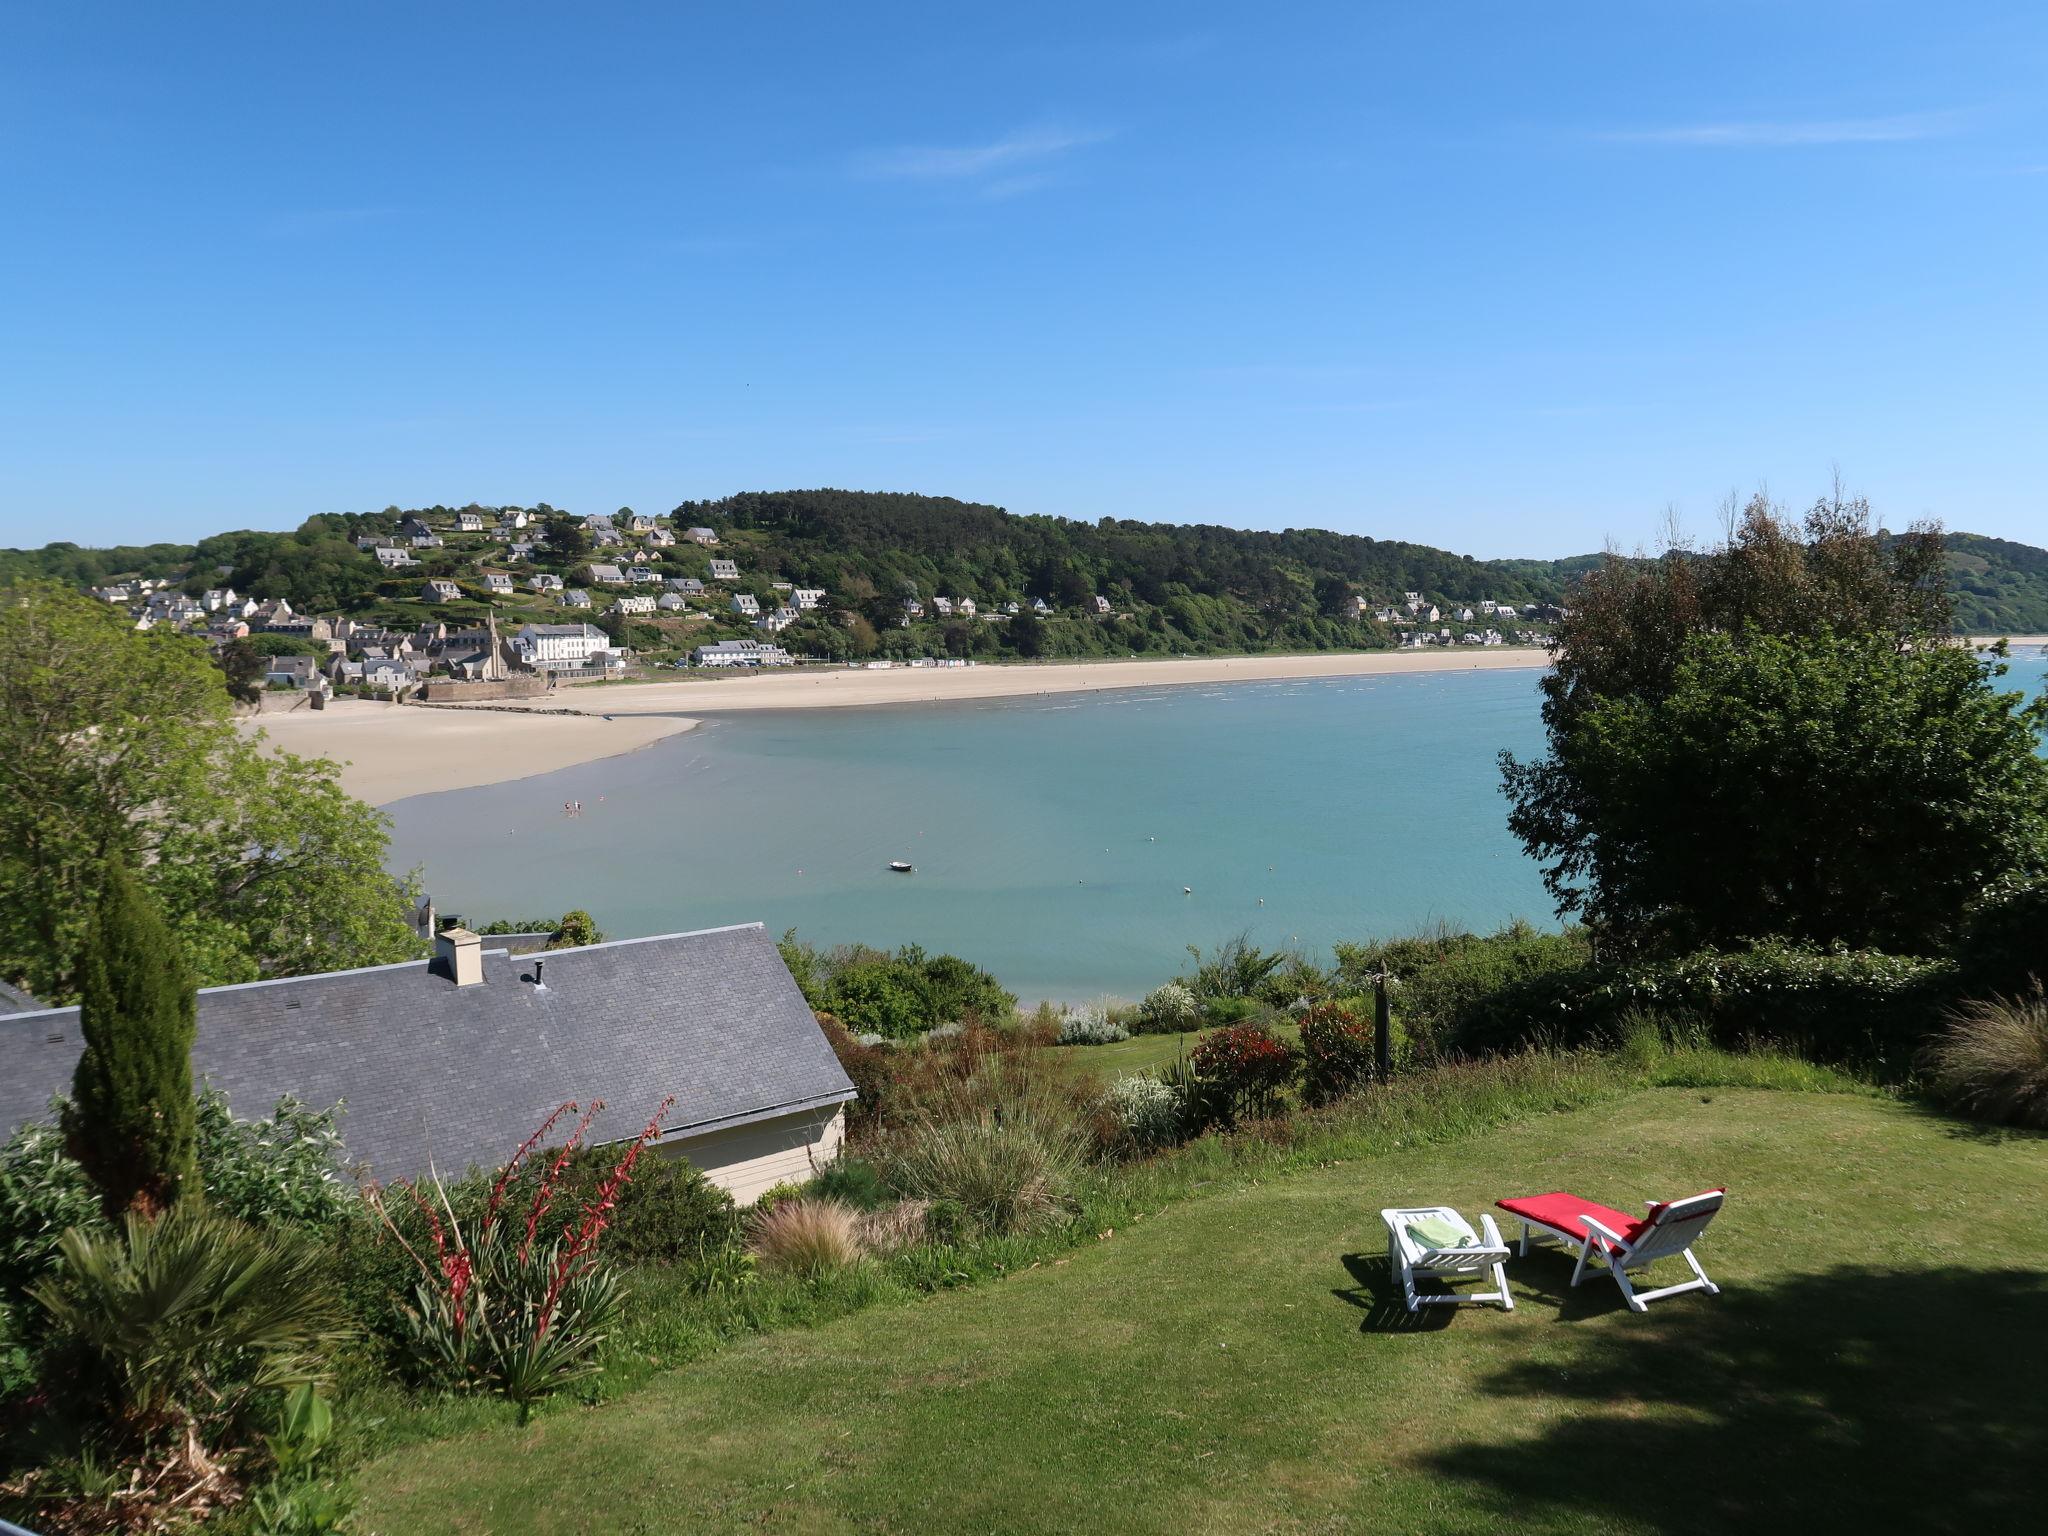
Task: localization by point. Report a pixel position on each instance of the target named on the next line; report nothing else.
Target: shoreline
(391, 752)
(841, 687)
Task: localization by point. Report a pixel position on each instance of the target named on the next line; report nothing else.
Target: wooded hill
(1170, 587)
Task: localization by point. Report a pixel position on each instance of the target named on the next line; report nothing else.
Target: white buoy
(1187, 890)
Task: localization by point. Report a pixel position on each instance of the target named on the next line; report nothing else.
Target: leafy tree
(119, 744)
(1836, 790)
(130, 1120)
(565, 539)
(242, 668)
(1627, 633)
(1628, 620)
(577, 927)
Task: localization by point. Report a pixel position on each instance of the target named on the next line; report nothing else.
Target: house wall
(754, 1158)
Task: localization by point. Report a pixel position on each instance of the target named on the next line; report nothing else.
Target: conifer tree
(131, 1123)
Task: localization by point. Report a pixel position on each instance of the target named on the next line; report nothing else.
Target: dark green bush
(1450, 988)
(898, 995)
(2003, 948)
(666, 1212)
(1873, 1008)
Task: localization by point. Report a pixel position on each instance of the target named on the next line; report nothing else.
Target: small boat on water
(902, 866)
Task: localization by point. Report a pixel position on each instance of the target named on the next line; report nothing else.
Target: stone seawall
(449, 691)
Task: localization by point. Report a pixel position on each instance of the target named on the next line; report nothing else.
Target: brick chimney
(460, 956)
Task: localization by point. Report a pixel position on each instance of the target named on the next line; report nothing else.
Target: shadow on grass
(1844, 1401)
(1378, 1295)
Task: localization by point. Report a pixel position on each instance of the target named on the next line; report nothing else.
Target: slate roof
(467, 1073)
(14, 1000)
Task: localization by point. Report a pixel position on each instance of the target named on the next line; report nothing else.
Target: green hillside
(1998, 585)
(1168, 588)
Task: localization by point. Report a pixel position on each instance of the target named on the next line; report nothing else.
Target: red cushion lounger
(1622, 1242)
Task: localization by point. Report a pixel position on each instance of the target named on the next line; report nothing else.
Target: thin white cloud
(1903, 129)
(1012, 157)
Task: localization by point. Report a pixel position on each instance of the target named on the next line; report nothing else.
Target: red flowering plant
(504, 1307)
(1241, 1070)
(1336, 1052)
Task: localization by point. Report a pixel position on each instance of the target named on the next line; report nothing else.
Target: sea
(1075, 845)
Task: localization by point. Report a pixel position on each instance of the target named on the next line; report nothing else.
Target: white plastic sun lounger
(1477, 1260)
(1620, 1241)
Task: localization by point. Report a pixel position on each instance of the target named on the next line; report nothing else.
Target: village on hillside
(492, 602)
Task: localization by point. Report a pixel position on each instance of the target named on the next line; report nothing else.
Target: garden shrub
(1091, 1026)
(496, 1305)
(1003, 1173)
(1149, 1110)
(893, 1228)
(854, 1181)
(805, 1237)
(896, 995)
(1222, 1012)
(1991, 1060)
(282, 1170)
(2003, 948)
(1243, 1070)
(1873, 1007)
(1449, 987)
(168, 1331)
(667, 1212)
(1336, 1053)
(42, 1192)
(1238, 968)
(1167, 1010)
(868, 1066)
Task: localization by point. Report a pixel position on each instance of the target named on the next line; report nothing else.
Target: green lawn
(1240, 1362)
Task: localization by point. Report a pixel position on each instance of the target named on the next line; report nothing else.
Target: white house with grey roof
(461, 1057)
(559, 647)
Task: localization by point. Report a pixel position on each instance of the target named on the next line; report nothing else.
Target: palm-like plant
(179, 1320)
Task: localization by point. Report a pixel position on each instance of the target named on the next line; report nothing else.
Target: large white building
(741, 653)
(560, 647)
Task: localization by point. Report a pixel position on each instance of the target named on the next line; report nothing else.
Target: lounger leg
(1525, 1239)
(1711, 1288)
(1399, 1265)
(1621, 1279)
(1579, 1270)
(1500, 1281)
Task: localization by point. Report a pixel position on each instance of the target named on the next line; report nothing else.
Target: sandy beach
(842, 687)
(389, 751)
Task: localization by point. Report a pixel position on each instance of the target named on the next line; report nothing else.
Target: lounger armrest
(1598, 1228)
(1489, 1231)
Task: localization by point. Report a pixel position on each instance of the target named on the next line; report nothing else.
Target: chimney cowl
(460, 955)
(538, 962)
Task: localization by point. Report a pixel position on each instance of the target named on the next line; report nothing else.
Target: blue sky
(1507, 278)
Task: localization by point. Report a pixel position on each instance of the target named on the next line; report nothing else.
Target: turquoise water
(1052, 836)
